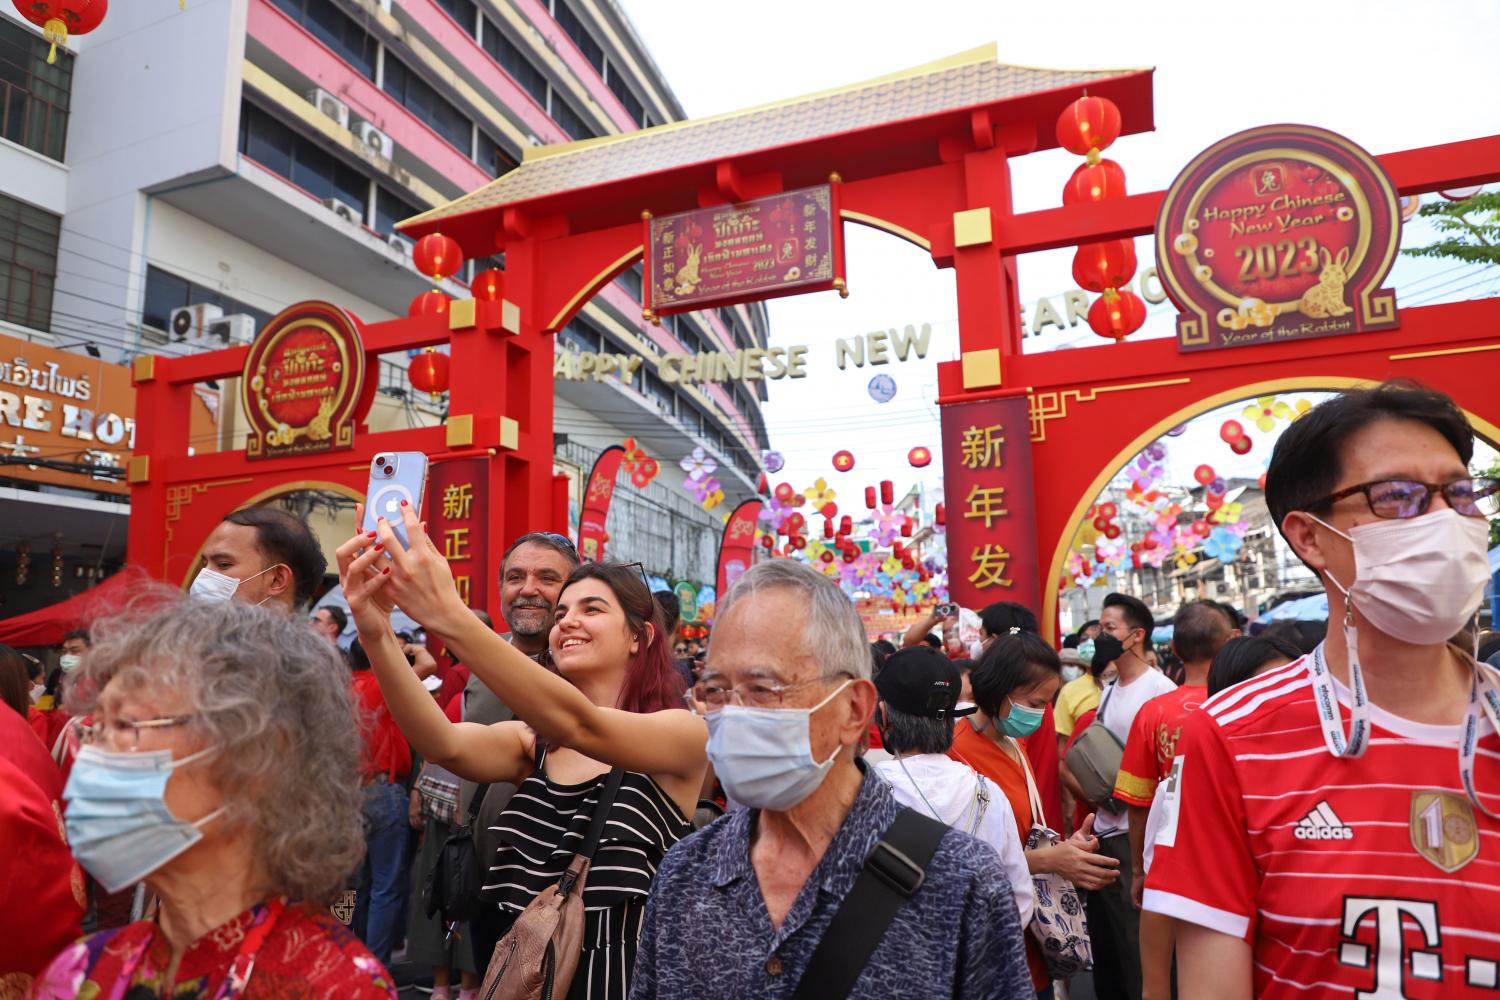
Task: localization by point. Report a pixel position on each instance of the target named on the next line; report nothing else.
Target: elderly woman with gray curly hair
(223, 770)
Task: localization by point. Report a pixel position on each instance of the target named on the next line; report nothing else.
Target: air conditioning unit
(343, 210)
(402, 245)
(376, 142)
(188, 322)
(329, 105)
(151, 335)
(231, 330)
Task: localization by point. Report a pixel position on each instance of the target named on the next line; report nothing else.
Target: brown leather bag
(537, 957)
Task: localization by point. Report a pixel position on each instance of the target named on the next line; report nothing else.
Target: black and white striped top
(540, 831)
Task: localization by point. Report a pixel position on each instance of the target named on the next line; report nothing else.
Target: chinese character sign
(991, 521)
(456, 522)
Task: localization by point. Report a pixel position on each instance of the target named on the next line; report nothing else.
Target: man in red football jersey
(1324, 832)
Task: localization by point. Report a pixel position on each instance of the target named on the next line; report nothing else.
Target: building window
(616, 84)
(297, 158)
(571, 121)
(570, 23)
(631, 280)
(390, 210)
(333, 28)
(33, 95)
(28, 263)
(514, 62)
(420, 99)
(580, 337)
(166, 291)
(462, 11)
(494, 158)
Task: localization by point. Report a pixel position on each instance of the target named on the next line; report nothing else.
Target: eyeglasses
(641, 569)
(756, 694)
(562, 540)
(128, 731)
(1477, 496)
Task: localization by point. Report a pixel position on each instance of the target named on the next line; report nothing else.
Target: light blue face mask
(1086, 651)
(763, 756)
(1022, 721)
(118, 823)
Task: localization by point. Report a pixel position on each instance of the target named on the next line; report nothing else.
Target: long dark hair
(652, 682)
(15, 680)
(1013, 660)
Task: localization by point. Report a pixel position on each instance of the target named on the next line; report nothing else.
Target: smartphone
(395, 476)
(946, 610)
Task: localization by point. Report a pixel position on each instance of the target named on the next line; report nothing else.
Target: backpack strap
(894, 870)
(475, 801)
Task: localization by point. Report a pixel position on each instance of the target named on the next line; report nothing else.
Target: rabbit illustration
(1326, 298)
(687, 274)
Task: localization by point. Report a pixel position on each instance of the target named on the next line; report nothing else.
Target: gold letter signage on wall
(779, 245)
(302, 382)
(1278, 233)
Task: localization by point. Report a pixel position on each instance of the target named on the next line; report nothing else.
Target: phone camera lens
(388, 470)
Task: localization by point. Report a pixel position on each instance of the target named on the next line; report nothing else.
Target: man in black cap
(919, 690)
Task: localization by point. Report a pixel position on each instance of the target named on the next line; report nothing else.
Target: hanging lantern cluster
(57, 566)
(1087, 126)
(437, 256)
(23, 563)
(60, 19)
(1232, 433)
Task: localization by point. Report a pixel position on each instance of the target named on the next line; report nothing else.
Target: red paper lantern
(1112, 531)
(1149, 544)
(784, 493)
(1241, 445)
(843, 461)
(827, 529)
(795, 522)
(428, 372)
(827, 556)
(1261, 482)
(849, 557)
(1213, 501)
(767, 542)
(1095, 182)
(1135, 561)
(430, 303)
(1202, 529)
(1108, 510)
(887, 492)
(1231, 431)
(59, 19)
(829, 510)
(437, 256)
(488, 286)
(870, 497)
(1108, 264)
(906, 528)
(1088, 125)
(1135, 546)
(1100, 523)
(1117, 316)
(798, 542)
(1204, 474)
(939, 515)
(919, 457)
(846, 525)
(898, 550)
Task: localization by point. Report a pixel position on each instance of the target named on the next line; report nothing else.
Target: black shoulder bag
(454, 882)
(894, 870)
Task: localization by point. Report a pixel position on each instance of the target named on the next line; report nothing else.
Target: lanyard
(238, 976)
(1483, 696)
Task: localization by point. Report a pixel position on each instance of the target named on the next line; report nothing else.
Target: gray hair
(273, 699)
(835, 635)
(902, 732)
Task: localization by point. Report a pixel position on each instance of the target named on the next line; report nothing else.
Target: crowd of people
(231, 798)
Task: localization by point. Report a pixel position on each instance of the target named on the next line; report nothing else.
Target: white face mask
(69, 662)
(37, 691)
(763, 756)
(1417, 579)
(211, 585)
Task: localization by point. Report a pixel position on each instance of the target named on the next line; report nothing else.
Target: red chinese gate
(924, 156)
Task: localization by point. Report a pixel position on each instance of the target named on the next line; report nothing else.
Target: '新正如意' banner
(991, 518)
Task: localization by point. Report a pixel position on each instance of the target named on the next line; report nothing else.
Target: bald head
(1199, 630)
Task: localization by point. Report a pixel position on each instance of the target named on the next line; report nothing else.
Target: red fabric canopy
(47, 626)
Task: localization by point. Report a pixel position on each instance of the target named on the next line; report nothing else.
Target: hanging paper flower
(887, 526)
(1299, 408)
(713, 499)
(1223, 545)
(1156, 451)
(645, 471)
(774, 513)
(891, 566)
(1184, 557)
(774, 461)
(698, 464)
(1229, 513)
(819, 495)
(1265, 411)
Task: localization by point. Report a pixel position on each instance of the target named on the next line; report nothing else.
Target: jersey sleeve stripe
(1227, 698)
(1181, 908)
(1226, 717)
(1133, 789)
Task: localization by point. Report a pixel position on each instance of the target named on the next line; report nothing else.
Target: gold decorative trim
(875, 222)
(138, 469)
(181, 495)
(143, 368)
(1045, 406)
(510, 434)
(594, 283)
(510, 316)
(972, 228)
(461, 314)
(460, 430)
(1445, 352)
(981, 368)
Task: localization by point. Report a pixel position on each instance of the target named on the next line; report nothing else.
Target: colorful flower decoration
(712, 499)
(1299, 408)
(1265, 411)
(701, 488)
(774, 461)
(843, 461)
(819, 495)
(887, 526)
(698, 465)
(1229, 513)
(774, 513)
(1223, 545)
(1156, 451)
(642, 467)
(1184, 556)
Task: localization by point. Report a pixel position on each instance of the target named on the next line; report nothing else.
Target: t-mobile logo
(1392, 962)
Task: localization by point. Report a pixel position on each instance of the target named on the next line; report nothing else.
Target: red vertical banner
(990, 506)
(596, 497)
(737, 547)
(457, 522)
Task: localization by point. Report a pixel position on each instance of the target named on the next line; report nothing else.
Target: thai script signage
(302, 381)
(759, 249)
(991, 518)
(1278, 233)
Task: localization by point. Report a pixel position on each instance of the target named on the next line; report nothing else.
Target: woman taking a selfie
(613, 703)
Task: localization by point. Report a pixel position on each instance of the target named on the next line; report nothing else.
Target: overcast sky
(1388, 75)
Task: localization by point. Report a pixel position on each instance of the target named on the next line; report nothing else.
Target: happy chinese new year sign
(759, 249)
(1278, 233)
(991, 519)
(302, 382)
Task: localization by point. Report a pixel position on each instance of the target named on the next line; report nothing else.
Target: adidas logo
(1322, 824)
